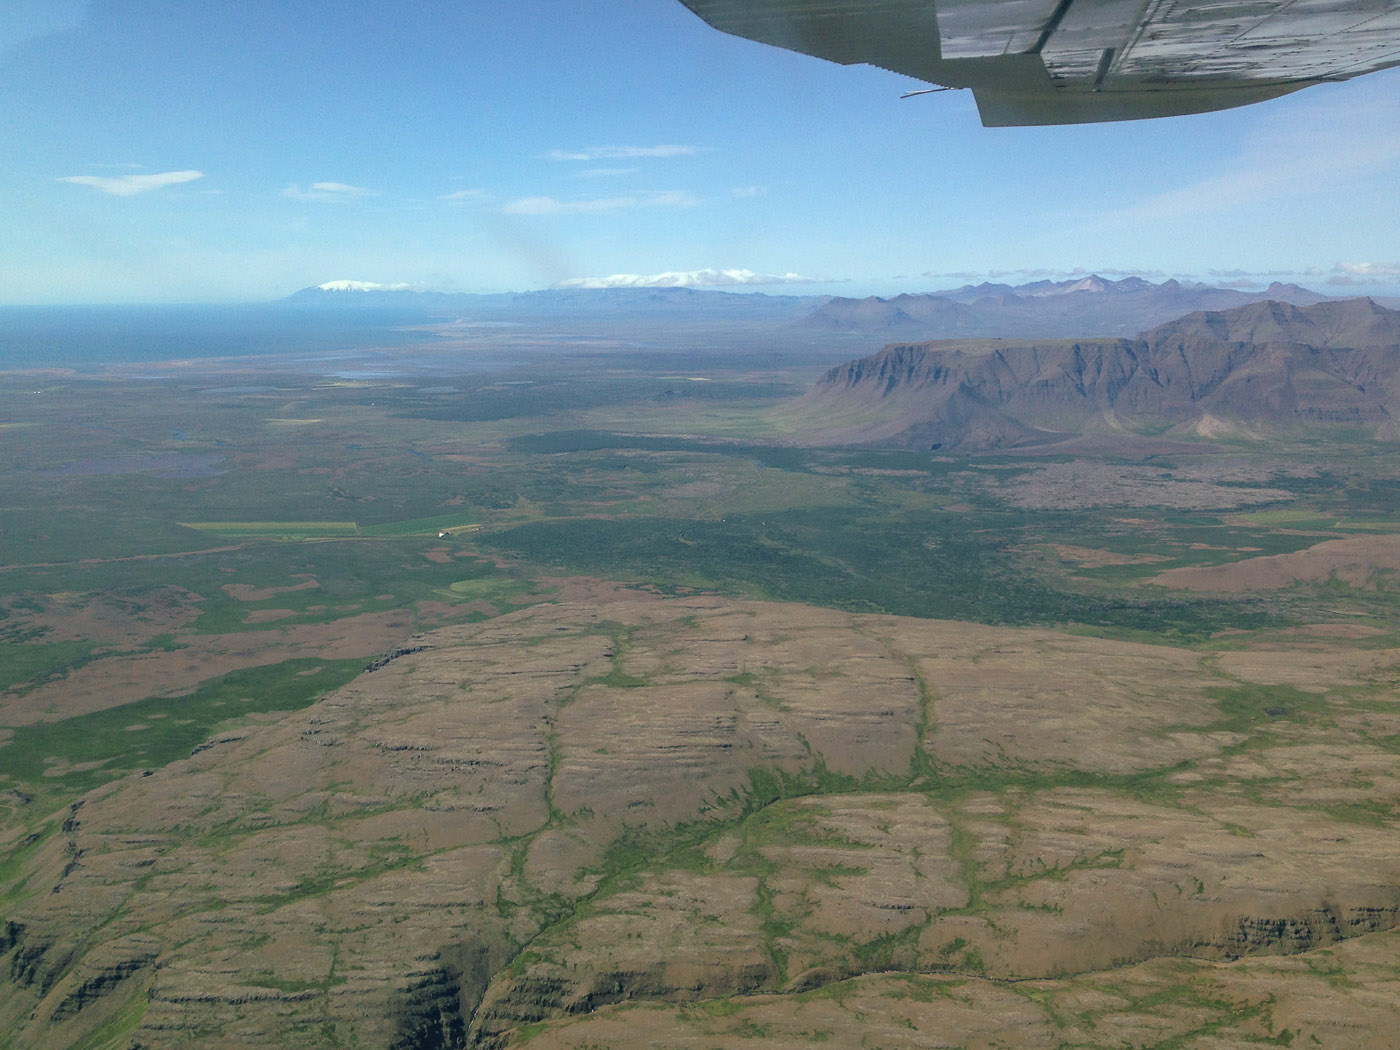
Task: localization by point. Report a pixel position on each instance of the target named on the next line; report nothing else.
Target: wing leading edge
(1079, 61)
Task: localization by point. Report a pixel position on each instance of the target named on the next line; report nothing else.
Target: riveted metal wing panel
(1070, 61)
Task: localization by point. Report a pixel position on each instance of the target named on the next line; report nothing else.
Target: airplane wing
(1078, 61)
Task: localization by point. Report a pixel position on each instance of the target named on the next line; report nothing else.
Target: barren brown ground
(1091, 557)
(247, 593)
(1347, 997)
(1084, 483)
(108, 622)
(1360, 561)
(706, 822)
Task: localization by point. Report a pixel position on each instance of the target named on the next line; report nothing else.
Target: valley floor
(574, 704)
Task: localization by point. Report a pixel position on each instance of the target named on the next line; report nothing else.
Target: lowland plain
(571, 696)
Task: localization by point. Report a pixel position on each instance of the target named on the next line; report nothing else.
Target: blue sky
(161, 150)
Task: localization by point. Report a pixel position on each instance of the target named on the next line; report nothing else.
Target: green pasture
(961, 566)
(275, 529)
(81, 752)
(1369, 525)
(30, 663)
(502, 592)
(1295, 516)
(429, 526)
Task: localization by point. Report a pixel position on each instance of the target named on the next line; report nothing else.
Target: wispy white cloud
(1040, 274)
(554, 206)
(329, 192)
(747, 191)
(605, 173)
(621, 152)
(1248, 275)
(362, 286)
(1032, 273)
(466, 197)
(707, 278)
(1366, 269)
(131, 185)
(668, 199)
(1362, 274)
(1341, 274)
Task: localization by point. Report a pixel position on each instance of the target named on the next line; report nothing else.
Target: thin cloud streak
(466, 197)
(621, 152)
(554, 206)
(131, 185)
(706, 278)
(1341, 273)
(1367, 269)
(327, 192)
(1040, 273)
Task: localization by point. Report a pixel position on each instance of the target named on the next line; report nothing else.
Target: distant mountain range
(1248, 371)
(1088, 306)
(556, 304)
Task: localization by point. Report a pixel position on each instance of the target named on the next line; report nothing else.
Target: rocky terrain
(1251, 371)
(711, 822)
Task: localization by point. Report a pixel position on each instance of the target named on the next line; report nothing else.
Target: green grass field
(275, 529)
(429, 526)
(75, 754)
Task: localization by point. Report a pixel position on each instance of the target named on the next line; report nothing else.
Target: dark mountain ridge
(1041, 309)
(1252, 370)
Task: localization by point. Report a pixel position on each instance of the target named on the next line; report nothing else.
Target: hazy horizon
(832, 289)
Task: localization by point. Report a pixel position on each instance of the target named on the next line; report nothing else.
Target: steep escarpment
(527, 824)
(1263, 367)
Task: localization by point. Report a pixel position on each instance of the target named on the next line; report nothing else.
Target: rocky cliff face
(1260, 367)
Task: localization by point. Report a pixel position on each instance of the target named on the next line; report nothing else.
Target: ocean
(90, 338)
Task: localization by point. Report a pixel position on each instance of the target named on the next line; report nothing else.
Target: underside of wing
(1077, 61)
